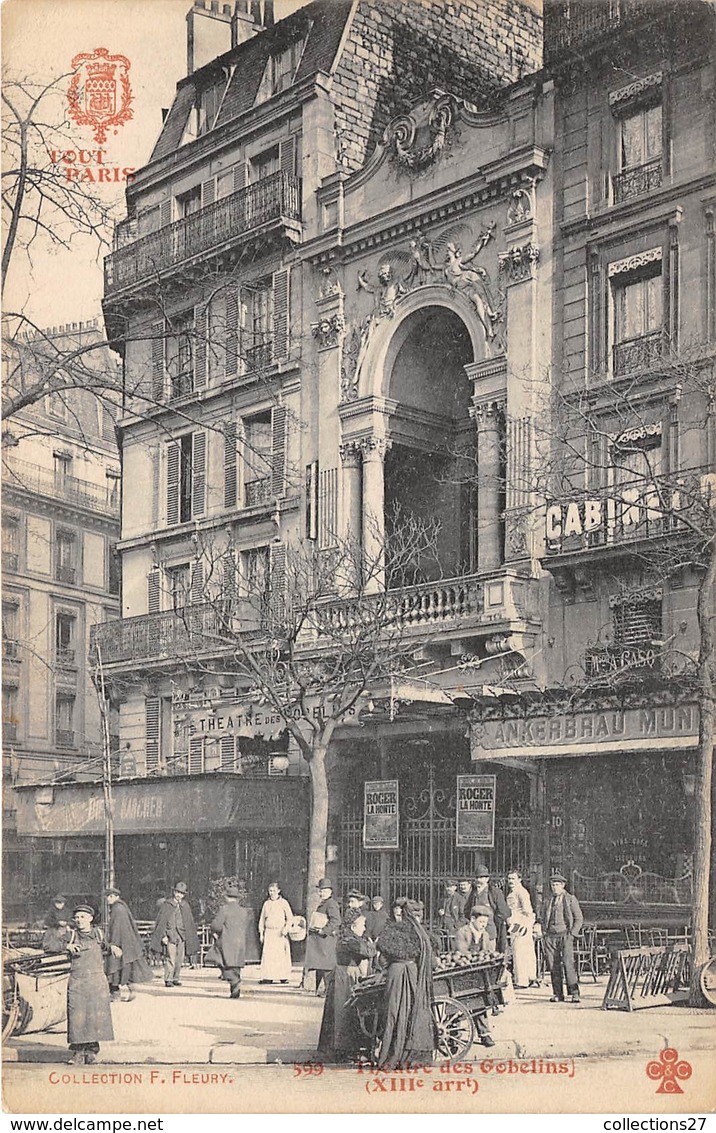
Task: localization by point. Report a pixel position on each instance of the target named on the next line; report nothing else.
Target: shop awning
(192, 803)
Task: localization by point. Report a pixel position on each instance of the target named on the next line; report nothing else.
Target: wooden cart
(461, 993)
(34, 990)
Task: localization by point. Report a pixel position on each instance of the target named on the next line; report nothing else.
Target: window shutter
(278, 451)
(228, 753)
(287, 155)
(165, 213)
(153, 592)
(155, 486)
(230, 481)
(151, 733)
(198, 473)
(280, 313)
(158, 339)
(312, 500)
(208, 193)
(228, 581)
(196, 755)
(197, 584)
(232, 331)
(200, 347)
(277, 579)
(173, 473)
(239, 176)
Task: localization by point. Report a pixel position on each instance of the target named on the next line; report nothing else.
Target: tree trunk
(318, 831)
(704, 778)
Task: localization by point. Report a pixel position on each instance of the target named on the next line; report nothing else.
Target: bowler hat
(83, 909)
(180, 887)
(111, 892)
(232, 891)
(558, 877)
(325, 883)
(480, 911)
(481, 870)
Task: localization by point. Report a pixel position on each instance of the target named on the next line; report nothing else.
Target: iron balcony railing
(44, 482)
(639, 353)
(257, 492)
(66, 574)
(64, 737)
(65, 657)
(571, 25)
(10, 649)
(640, 179)
(274, 198)
(169, 633)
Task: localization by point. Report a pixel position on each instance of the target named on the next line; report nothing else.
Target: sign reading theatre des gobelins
(475, 817)
(475, 824)
(380, 815)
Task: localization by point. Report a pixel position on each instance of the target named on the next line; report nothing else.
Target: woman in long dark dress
(409, 1030)
(340, 1033)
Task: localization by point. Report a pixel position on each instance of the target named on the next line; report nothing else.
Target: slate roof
(325, 22)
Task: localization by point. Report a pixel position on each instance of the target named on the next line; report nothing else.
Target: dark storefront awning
(165, 805)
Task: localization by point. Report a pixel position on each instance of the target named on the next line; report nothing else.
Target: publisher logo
(100, 94)
(668, 1070)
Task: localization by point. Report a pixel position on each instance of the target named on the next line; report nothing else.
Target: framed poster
(475, 826)
(380, 815)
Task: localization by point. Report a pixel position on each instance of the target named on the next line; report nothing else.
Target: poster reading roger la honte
(357, 548)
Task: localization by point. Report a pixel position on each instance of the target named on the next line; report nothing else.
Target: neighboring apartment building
(635, 187)
(60, 525)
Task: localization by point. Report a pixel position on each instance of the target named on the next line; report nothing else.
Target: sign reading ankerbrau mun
(380, 815)
(475, 827)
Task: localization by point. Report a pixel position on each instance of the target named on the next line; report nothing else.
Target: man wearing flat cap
(561, 919)
(321, 946)
(229, 927)
(131, 967)
(89, 1017)
(174, 935)
(451, 911)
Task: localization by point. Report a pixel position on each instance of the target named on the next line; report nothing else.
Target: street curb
(133, 1054)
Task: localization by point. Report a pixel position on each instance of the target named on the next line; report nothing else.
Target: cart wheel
(454, 1027)
(10, 1013)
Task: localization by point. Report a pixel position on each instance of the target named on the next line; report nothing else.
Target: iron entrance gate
(427, 853)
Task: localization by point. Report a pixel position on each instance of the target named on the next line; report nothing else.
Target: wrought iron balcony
(10, 649)
(258, 357)
(64, 737)
(66, 574)
(169, 634)
(571, 25)
(43, 482)
(640, 179)
(639, 353)
(273, 200)
(641, 509)
(65, 657)
(257, 491)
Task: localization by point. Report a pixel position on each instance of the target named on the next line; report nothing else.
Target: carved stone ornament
(330, 284)
(635, 263)
(518, 262)
(634, 91)
(416, 140)
(448, 259)
(328, 330)
(521, 206)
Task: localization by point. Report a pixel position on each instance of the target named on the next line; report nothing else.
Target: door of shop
(428, 853)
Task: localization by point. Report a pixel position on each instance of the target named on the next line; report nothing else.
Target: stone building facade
(61, 489)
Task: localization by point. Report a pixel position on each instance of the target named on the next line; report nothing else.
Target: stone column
(488, 416)
(352, 508)
(373, 524)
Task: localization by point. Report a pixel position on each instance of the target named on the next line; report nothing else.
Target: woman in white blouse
(276, 916)
(521, 922)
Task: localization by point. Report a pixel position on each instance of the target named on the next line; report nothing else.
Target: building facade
(366, 276)
(60, 525)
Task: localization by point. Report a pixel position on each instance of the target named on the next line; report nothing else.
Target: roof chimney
(250, 17)
(208, 33)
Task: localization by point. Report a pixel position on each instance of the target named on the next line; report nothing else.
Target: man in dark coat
(464, 896)
(174, 935)
(321, 946)
(451, 911)
(131, 967)
(561, 919)
(58, 912)
(376, 919)
(484, 893)
(230, 926)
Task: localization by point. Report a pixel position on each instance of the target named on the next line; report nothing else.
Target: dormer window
(280, 70)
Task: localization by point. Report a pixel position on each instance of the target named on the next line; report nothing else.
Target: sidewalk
(199, 1024)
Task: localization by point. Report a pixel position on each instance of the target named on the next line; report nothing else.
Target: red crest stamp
(668, 1070)
(100, 94)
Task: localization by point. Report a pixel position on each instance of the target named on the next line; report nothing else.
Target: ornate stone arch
(389, 334)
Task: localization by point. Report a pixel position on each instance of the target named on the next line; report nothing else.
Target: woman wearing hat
(89, 1017)
(340, 1032)
(276, 916)
(230, 927)
(409, 1031)
(321, 946)
(130, 967)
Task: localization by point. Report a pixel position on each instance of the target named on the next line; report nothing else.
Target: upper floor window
(10, 712)
(280, 70)
(63, 468)
(65, 720)
(179, 354)
(264, 164)
(257, 459)
(65, 635)
(639, 124)
(188, 203)
(10, 626)
(178, 586)
(10, 542)
(186, 477)
(66, 557)
(638, 304)
(257, 325)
